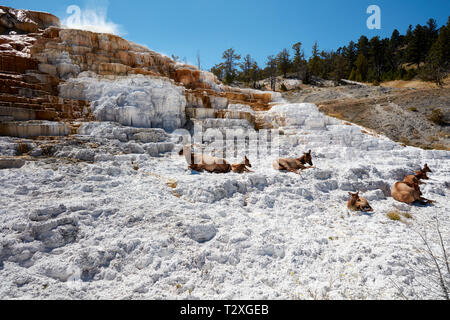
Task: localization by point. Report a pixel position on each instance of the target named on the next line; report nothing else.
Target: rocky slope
(402, 114)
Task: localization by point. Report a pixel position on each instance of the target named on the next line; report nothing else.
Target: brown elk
(242, 167)
(417, 177)
(294, 165)
(408, 193)
(200, 162)
(412, 180)
(422, 174)
(356, 203)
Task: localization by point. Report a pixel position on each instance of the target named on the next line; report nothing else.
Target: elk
(408, 193)
(356, 203)
(294, 165)
(200, 162)
(242, 167)
(419, 175)
(412, 180)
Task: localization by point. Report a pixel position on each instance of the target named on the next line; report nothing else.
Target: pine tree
(340, 69)
(362, 68)
(246, 67)
(284, 62)
(231, 59)
(272, 71)
(300, 64)
(438, 59)
(314, 62)
(255, 72)
(218, 71)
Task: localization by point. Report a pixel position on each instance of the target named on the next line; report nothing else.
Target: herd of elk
(407, 191)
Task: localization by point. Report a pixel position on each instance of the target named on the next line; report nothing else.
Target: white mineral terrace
(99, 228)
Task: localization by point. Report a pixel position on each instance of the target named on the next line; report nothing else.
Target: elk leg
(425, 201)
(293, 171)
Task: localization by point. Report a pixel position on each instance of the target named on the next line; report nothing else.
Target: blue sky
(260, 27)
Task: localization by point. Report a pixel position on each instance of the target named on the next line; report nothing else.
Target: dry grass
(394, 215)
(437, 117)
(407, 215)
(338, 115)
(440, 146)
(416, 84)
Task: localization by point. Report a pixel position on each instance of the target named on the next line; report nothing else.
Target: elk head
(354, 196)
(426, 169)
(308, 158)
(247, 162)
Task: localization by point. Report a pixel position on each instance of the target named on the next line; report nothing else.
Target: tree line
(422, 52)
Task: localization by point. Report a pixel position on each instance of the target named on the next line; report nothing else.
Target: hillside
(400, 110)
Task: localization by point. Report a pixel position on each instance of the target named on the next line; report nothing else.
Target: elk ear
(309, 152)
(350, 194)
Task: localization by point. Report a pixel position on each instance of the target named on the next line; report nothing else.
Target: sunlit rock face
(25, 21)
(137, 101)
(133, 85)
(50, 73)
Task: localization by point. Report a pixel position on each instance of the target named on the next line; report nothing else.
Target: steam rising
(92, 19)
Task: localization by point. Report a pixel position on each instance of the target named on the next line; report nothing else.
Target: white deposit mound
(137, 101)
(133, 223)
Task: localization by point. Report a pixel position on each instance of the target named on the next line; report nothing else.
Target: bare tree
(434, 268)
(199, 65)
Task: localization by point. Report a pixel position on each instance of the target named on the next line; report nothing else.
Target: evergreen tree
(438, 60)
(314, 62)
(363, 46)
(284, 62)
(272, 71)
(362, 68)
(340, 68)
(300, 64)
(218, 71)
(246, 67)
(231, 59)
(255, 73)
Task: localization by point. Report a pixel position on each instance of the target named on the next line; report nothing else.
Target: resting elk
(408, 193)
(200, 162)
(419, 175)
(356, 203)
(294, 165)
(242, 167)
